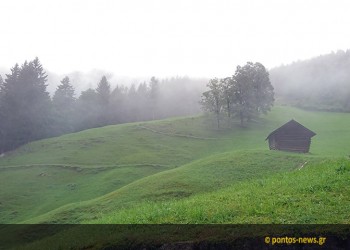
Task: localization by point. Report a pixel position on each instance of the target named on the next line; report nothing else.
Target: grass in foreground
(318, 193)
(205, 175)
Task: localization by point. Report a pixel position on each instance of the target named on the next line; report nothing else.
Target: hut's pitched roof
(292, 124)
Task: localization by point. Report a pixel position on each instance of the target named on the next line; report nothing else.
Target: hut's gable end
(291, 137)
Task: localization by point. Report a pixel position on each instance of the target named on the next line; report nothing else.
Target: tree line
(244, 95)
(27, 111)
(319, 83)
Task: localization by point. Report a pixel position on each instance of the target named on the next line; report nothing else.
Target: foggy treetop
(27, 112)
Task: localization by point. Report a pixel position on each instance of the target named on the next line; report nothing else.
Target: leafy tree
(245, 95)
(227, 95)
(263, 89)
(2, 132)
(252, 91)
(212, 99)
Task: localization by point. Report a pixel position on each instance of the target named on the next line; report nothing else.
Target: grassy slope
(318, 193)
(107, 168)
(205, 175)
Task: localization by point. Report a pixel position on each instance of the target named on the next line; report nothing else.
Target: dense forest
(320, 83)
(28, 112)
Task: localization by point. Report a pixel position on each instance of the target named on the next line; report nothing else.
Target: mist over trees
(245, 95)
(320, 83)
(25, 105)
(27, 112)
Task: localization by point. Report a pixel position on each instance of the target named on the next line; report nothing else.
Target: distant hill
(320, 83)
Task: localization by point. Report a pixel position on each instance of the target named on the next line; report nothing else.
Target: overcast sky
(169, 37)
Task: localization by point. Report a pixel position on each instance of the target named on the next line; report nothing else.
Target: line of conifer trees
(27, 112)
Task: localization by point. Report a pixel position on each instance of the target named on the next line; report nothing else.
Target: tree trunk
(218, 120)
(241, 117)
(228, 114)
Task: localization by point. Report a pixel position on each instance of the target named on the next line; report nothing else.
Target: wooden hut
(292, 136)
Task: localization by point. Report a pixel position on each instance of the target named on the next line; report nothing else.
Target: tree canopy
(245, 95)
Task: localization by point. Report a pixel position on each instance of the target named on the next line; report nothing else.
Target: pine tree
(87, 110)
(64, 96)
(103, 91)
(25, 105)
(64, 103)
(153, 96)
(119, 104)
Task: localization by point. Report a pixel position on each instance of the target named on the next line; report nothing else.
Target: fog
(137, 60)
(167, 38)
(36, 104)
(319, 83)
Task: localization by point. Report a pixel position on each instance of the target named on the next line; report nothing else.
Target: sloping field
(317, 193)
(83, 176)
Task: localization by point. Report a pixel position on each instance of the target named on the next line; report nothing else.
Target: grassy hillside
(205, 175)
(318, 193)
(82, 176)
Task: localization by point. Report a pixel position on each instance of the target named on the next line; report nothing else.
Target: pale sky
(169, 37)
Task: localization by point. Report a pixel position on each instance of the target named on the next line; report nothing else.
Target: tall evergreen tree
(64, 106)
(119, 104)
(142, 102)
(153, 96)
(25, 105)
(103, 91)
(133, 104)
(88, 110)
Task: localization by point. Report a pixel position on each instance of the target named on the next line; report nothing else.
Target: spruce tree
(25, 105)
(103, 91)
(153, 96)
(64, 104)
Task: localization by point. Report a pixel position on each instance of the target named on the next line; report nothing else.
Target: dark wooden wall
(289, 142)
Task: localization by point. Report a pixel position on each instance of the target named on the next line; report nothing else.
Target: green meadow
(181, 170)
